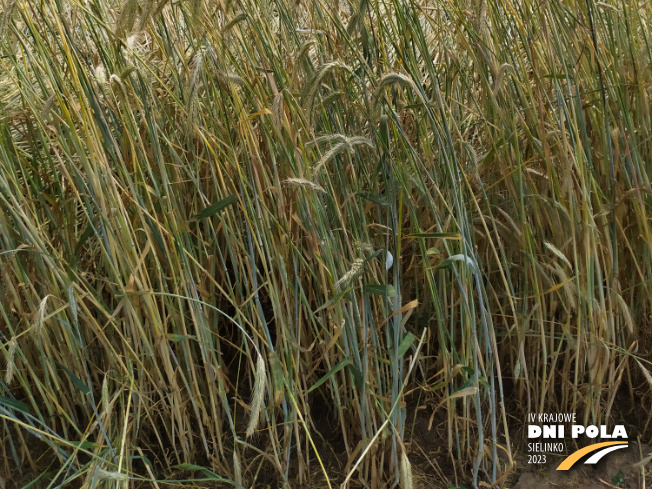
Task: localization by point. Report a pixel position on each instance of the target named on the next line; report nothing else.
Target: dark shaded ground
(432, 465)
(623, 468)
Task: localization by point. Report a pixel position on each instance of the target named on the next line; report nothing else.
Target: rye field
(320, 243)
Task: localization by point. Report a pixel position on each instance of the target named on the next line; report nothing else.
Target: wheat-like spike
(479, 20)
(360, 140)
(5, 16)
(305, 183)
(159, 8)
(598, 314)
(391, 78)
(606, 6)
(356, 268)
(100, 76)
(315, 82)
(645, 371)
(347, 143)
(259, 395)
(105, 393)
(406, 472)
(193, 90)
(40, 315)
(110, 475)
(11, 366)
(118, 81)
(47, 106)
(557, 253)
(197, 63)
(303, 50)
(135, 42)
(332, 153)
(231, 78)
(277, 109)
(196, 7)
(239, 17)
(331, 97)
(627, 315)
(499, 78)
(570, 290)
(330, 138)
(357, 16)
(127, 18)
(470, 151)
(237, 468)
(148, 8)
(363, 246)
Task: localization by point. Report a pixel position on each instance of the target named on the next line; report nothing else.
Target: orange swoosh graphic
(575, 456)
